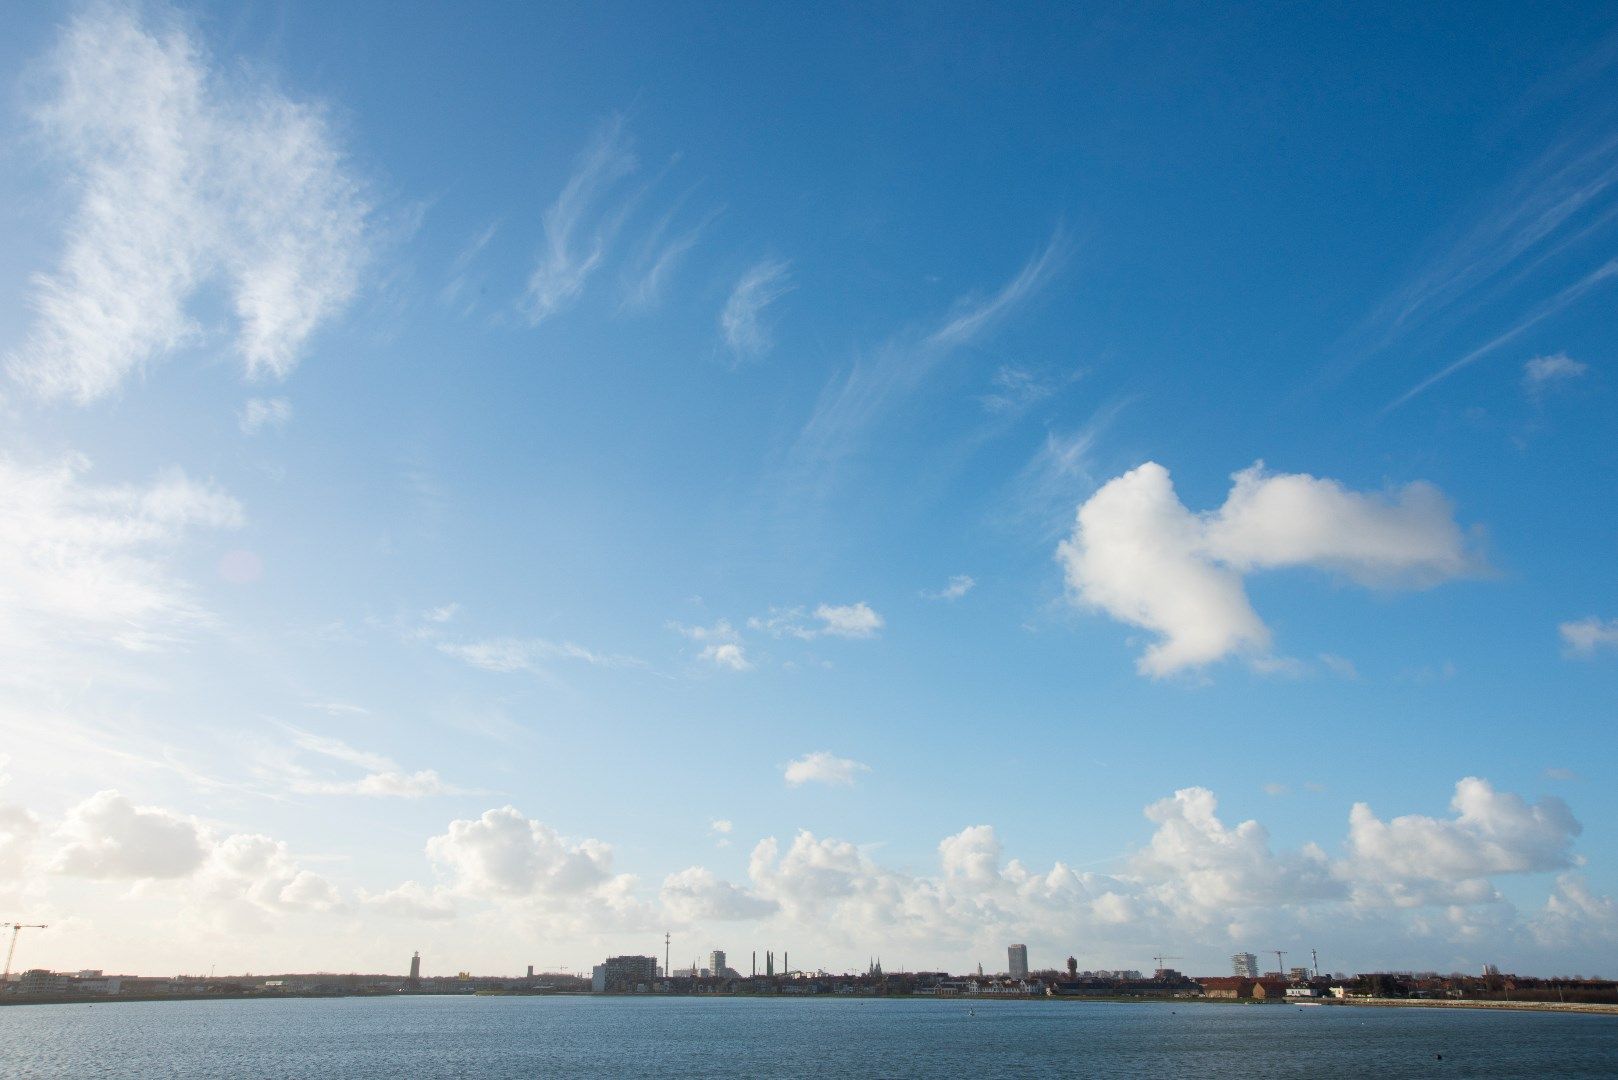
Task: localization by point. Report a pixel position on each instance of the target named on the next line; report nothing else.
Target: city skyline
(516, 484)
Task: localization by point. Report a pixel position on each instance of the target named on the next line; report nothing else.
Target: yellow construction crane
(16, 928)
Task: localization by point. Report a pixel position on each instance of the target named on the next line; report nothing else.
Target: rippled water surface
(547, 1036)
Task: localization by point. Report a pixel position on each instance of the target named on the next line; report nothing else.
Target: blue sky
(510, 483)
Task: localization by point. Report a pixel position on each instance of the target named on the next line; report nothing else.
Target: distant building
(415, 967)
(716, 963)
(1018, 958)
(1072, 967)
(1244, 965)
(1298, 974)
(628, 973)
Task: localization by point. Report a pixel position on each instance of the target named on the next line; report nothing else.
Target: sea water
(754, 1037)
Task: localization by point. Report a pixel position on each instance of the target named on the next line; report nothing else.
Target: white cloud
(87, 563)
(1575, 915)
(1544, 371)
(696, 894)
(727, 655)
(720, 827)
(742, 320)
(410, 900)
(567, 258)
(856, 620)
(959, 585)
(1200, 867)
(1139, 555)
(382, 778)
(852, 404)
(507, 655)
(660, 255)
(189, 177)
(821, 767)
(721, 644)
(263, 872)
(390, 784)
(261, 413)
(504, 854)
(1412, 859)
(108, 836)
(1584, 636)
(848, 620)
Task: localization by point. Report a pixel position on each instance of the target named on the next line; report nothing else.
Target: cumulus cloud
(86, 562)
(742, 321)
(577, 232)
(108, 836)
(1542, 372)
(1414, 858)
(262, 413)
(721, 644)
(1199, 867)
(1576, 915)
(821, 767)
(1584, 636)
(857, 620)
(410, 900)
(1137, 554)
(1209, 883)
(958, 586)
(505, 854)
(190, 178)
(262, 871)
(695, 894)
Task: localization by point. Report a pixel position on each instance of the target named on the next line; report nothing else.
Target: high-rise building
(629, 972)
(716, 963)
(1245, 965)
(1018, 955)
(415, 967)
(1073, 967)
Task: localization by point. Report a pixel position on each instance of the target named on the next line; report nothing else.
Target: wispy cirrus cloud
(261, 414)
(89, 563)
(852, 403)
(577, 231)
(857, 620)
(742, 321)
(508, 655)
(661, 253)
(190, 176)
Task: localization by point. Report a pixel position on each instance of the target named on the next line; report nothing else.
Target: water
(742, 1037)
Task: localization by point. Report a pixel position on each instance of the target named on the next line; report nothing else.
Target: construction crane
(1160, 959)
(16, 928)
(1280, 961)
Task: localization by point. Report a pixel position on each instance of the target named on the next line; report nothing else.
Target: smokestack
(786, 965)
(755, 963)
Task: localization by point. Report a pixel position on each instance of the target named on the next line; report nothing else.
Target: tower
(1072, 967)
(1017, 958)
(415, 967)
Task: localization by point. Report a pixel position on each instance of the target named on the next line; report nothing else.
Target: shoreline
(1588, 1008)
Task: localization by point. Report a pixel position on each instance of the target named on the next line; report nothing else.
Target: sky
(511, 482)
